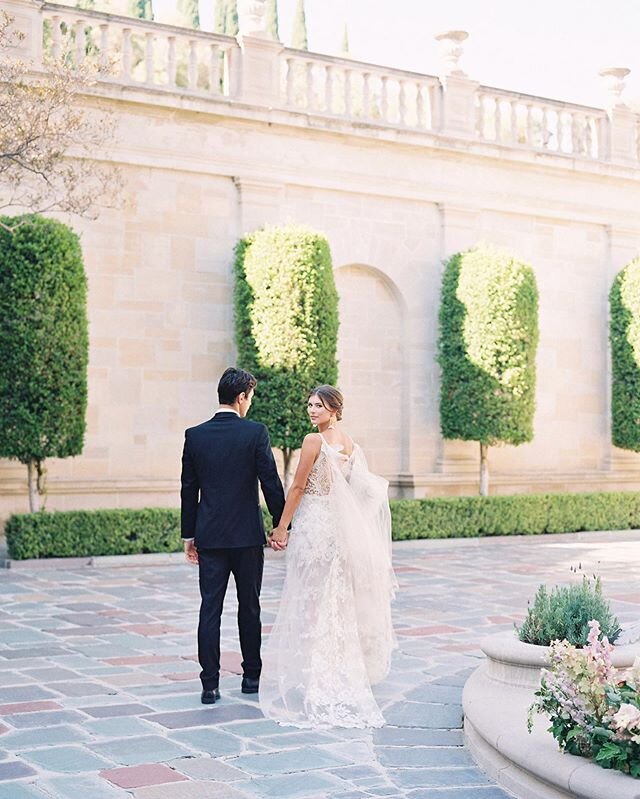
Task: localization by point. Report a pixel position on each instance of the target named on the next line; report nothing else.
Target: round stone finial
(614, 78)
(451, 50)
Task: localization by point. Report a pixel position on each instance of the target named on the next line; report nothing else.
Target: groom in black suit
(222, 527)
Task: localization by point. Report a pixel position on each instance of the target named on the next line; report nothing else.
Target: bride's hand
(278, 538)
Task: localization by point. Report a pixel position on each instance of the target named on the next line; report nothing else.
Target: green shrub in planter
(564, 613)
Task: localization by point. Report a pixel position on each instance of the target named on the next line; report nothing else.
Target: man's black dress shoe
(250, 685)
(209, 697)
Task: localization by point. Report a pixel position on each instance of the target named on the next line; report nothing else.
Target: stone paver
(98, 678)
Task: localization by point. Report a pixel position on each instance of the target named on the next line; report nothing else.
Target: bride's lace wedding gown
(332, 638)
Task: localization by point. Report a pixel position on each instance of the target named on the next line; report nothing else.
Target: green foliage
(107, 532)
(143, 9)
(526, 514)
(220, 15)
(272, 19)
(189, 13)
(43, 340)
(344, 44)
(487, 347)
(564, 613)
(624, 335)
(74, 534)
(231, 26)
(286, 317)
(299, 36)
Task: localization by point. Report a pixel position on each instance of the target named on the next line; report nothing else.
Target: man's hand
(190, 552)
(278, 538)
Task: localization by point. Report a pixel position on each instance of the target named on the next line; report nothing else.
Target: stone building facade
(218, 136)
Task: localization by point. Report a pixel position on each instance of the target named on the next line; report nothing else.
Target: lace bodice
(319, 479)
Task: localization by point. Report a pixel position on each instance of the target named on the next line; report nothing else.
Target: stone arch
(374, 365)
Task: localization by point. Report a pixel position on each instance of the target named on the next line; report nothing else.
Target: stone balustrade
(253, 70)
(359, 91)
(528, 121)
(139, 52)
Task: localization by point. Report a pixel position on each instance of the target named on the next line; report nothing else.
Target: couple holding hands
(332, 638)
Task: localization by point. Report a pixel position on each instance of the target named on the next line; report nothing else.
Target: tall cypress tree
(299, 36)
(344, 45)
(272, 19)
(189, 13)
(143, 9)
(231, 26)
(220, 16)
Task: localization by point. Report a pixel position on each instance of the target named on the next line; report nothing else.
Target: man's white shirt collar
(227, 410)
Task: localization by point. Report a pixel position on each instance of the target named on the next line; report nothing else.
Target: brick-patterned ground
(99, 694)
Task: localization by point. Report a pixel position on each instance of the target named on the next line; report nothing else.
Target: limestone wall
(394, 202)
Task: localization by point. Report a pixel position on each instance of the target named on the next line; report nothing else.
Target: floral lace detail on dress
(319, 480)
(320, 660)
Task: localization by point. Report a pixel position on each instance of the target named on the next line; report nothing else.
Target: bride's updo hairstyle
(331, 398)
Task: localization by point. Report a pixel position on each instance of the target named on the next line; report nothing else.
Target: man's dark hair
(234, 382)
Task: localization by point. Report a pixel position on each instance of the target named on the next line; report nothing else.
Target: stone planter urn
(495, 701)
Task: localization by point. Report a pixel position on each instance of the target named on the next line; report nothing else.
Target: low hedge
(125, 532)
(524, 514)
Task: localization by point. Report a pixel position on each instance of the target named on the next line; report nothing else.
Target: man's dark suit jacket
(222, 461)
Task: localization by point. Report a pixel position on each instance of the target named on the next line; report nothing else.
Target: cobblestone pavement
(99, 696)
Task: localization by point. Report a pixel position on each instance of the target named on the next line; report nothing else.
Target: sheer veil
(361, 503)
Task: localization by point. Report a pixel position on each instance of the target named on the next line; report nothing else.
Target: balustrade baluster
(530, 126)
(172, 66)
(603, 138)
(481, 115)
(214, 69)
(347, 93)
(588, 136)
(366, 95)
(384, 98)
(402, 103)
(148, 58)
(328, 88)
(498, 119)
(435, 106)
(309, 85)
(290, 80)
(104, 47)
(513, 128)
(81, 41)
(56, 38)
(420, 115)
(546, 133)
(126, 54)
(192, 79)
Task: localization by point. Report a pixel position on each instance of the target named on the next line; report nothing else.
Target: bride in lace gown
(333, 637)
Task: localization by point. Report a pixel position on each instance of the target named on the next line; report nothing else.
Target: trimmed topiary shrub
(43, 345)
(624, 336)
(120, 532)
(286, 317)
(487, 348)
(564, 613)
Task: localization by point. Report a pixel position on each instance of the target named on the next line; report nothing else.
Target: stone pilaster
(25, 31)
